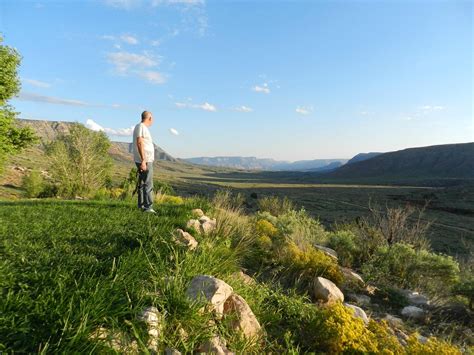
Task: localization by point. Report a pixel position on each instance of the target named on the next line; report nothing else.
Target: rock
(115, 340)
(358, 312)
(197, 212)
(402, 337)
(208, 226)
(186, 239)
(351, 277)
(213, 290)
(328, 251)
(414, 313)
(194, 224)
(421, 338)
(326, 291)
(153, 320)
(393, 321)
(415, 299)
(203, 219)
(246, 279)
(215, 345)
(169, 351)
(245, 321)
(359, 299)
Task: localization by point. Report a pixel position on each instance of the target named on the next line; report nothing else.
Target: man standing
(144, 155)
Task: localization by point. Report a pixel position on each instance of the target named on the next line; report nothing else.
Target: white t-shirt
(141, 130)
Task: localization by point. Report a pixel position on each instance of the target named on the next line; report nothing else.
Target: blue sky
(288, 80)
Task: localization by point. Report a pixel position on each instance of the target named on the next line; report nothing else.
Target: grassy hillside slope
(440, 161)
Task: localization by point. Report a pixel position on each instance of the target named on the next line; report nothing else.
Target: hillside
(253, 163)
(439, 161)
(103, 277)
(362, 157)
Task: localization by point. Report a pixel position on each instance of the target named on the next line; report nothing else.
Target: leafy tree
(33, 184)
(80, 161)
(12, 139)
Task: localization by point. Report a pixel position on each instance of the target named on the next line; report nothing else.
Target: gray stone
(358, 312)
(393, 321)
(363, 300)
(215, 345)
(210, 289)
(185, 239)
(326, 291)
(328, 251)
(413, 312)
(208, 226)
(416, 299)
(203, 219)
(245, 320)
(351, 277)
(194, 224)
(197, 212)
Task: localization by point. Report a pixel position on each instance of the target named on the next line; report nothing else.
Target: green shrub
(49, 190)
(465, 288)
(346, 246)
(402, 266)
(305, 265)
(301, 229)
(433, 346)
(163, 187)
(264, 227)
(173, 200)
(33, 184)
(275, 206)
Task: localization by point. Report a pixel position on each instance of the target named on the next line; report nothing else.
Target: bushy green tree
(33, 184)
(80, 161)
(12, 139)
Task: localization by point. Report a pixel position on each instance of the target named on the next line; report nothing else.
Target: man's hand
(143, 166)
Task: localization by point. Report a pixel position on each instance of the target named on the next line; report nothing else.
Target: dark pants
(145, 186)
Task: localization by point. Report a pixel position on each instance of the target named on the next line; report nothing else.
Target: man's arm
(141, 151)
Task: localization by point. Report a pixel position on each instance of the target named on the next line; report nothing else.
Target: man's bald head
(147, 118)
(146, 115)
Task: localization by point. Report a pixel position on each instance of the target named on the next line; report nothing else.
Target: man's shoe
(149, 210)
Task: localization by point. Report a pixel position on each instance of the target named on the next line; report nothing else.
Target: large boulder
(154, 323)
(204, 219)
(326, 291)
(245, 320)
(358, 312)
(210, 289)
(185, 239)
(412, 312)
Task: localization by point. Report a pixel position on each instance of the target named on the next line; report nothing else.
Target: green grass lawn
(69, 267)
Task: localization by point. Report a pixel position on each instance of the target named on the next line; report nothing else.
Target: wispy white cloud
(243, 109)
(138, 65)
(264, 88)
(29, 96)
(37, 83)
(123, 4)
(124, 132)
(177, 2)
(129, 39)
(205, 106)
(431, 108)
(423, 112)
(304, 110)
(174, 132)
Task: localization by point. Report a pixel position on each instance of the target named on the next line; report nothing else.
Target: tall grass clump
(275, 206)
(33, 184)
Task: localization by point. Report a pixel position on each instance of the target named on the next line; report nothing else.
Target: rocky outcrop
(351, 278)
(326, 291)
(203, 225)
